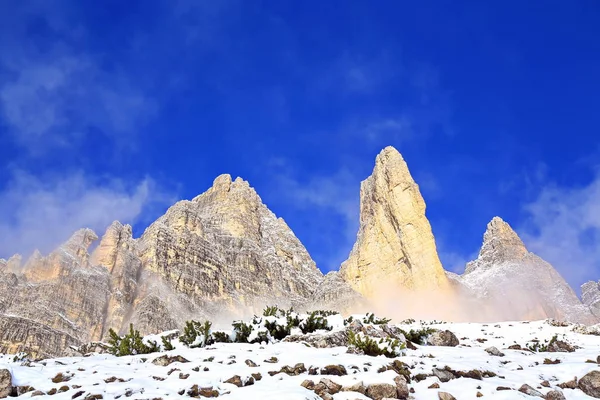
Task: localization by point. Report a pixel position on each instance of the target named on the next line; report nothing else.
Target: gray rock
(445, 396)
(493, 351)
(554, 395)
(443, 338)
(5, 383)
(590, 384)
(379, 391)
(443, 375)
(528, 390)
(401, 387)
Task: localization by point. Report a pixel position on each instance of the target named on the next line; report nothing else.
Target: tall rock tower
(395, 248)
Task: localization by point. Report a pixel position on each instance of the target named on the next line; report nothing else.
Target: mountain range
(225, 255)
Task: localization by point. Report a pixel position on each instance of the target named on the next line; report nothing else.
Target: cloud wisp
(563, 227)
(41, 214)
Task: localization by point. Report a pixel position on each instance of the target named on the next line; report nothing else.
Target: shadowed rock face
(590, 296)
(517, 284)
(223, 252)
(395, 248)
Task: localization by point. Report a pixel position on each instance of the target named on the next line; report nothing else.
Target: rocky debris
(395, 247)
(554, 395)
(251, 363)
(443, 338)
(572, 384)
(528, 390)
(493, 351)
(501, 388)
(338, 370)
(434, 385)
(402, 389)
(445, 396)
(590, 384)
(235, 380)
(560, 346)
(505, 273)
(199, 392)
(5, 383)
(379, 391)
(168, 360)
(292, 371)
(443, 375)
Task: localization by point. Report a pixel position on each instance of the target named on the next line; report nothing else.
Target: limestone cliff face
(517, 284)
(54, 301)
(590, 296)
(224, 252)
(395, 247)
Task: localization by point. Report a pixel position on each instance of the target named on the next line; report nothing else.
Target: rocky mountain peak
(500, 243)
(78, 244)
(395, 247)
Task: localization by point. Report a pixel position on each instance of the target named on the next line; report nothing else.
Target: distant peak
(80, 241)
(389, 153)
(498, 229)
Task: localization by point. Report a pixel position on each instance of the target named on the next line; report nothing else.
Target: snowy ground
(136, 377)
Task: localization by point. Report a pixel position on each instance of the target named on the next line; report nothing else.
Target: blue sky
(114, 110)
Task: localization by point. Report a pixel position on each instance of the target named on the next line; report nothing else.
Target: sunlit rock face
(395, 249)
(516, 284)
(55, 301)
(590, 296)
(224, 253)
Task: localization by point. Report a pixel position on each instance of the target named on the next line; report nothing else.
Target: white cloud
(54, 92)
(41, 214)
(564, 228)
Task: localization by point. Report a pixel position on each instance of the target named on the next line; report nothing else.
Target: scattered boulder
(559, 346)
(401, 387)
(554, 395)
(443, 338)
(358, 387)
(443, 375)
(165, 360)
(590, 384)
(292, 371)
(5, 383)
(196, 391)
(493, 351)
(338, 370)
(235, 380)
(501, 388)
(308, 384)
(445, 396)
(331, 386)
(434, 385)
(251, 363)
(572, 384)
(515, 347)
(528, 390)
(379, 391)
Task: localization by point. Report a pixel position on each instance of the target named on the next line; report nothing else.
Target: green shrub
(276, 330)
(130, 344)
(221, 337)
(313, 323)
(242, 331)
(325, 313)
(370, 318)
(194, 329)
(538, 347)
(417, 336)
(373, 347)
(166, 343)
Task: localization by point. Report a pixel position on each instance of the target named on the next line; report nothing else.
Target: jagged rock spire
(500, 243)
(395, 246)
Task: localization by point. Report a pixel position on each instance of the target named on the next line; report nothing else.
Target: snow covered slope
(137, 377)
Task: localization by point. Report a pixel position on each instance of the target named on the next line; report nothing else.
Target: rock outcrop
(395, 248)
(222, 253)
(516, 284)
(590, 296)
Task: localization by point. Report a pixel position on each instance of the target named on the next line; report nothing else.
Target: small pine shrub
(373, 347)
(538, 347)
(417, 336)
(276, 330)
(242, 331)
(193, 330)
(348, 320)
(272, 311)
(313, 323)
(370, 318)
(166, 344)
(325, 313)
(221, 337)
(130, 344)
